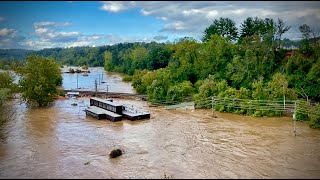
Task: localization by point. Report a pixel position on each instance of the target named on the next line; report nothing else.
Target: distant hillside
(73, 56)
(18, 54)
(287, 43)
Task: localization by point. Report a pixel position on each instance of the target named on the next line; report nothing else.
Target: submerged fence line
(249, 106)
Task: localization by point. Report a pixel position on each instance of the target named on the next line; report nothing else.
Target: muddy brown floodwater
(60, 141)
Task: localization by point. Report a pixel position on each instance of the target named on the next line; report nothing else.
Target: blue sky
(46, 24)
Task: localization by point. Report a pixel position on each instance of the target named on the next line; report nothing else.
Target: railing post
(284, 100)
(212, 103)
(294, 118)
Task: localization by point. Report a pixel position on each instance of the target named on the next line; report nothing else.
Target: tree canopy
(39, 78)
(224, 27)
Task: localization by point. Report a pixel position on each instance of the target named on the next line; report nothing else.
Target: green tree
(107, 61)
(7, 87)
(137, 82)
(158, 83)
(264, 28)
(224, 27)
(179, 91)
(158, 57)
(185, 53)
(39, 78)
(281, 29)
(139, 57)
(278, 88)
(306, 34)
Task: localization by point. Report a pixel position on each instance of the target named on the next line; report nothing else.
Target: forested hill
(75, 56)
(18, 54)
(91, 56)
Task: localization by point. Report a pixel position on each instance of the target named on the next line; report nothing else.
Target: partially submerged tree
(7, 87)
(39, 78)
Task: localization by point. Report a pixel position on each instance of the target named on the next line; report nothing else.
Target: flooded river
(105, 81)
(60, 141)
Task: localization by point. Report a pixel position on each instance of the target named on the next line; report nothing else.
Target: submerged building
(107, 109)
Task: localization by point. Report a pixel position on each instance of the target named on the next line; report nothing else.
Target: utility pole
(107, 90)
(99, 78)
(96, 86)
(77, 80)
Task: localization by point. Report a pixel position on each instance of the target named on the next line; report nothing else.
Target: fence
(297, 108)
(248, 106)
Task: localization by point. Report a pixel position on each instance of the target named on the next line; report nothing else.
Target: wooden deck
(134, 114)
(100, 113)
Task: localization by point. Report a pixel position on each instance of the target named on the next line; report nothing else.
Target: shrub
(315, 116)
(71, 70)
(127, 78)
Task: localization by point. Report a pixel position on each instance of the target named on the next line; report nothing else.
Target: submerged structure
(107, 109)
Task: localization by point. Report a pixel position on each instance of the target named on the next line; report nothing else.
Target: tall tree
(281, 29)
(39, 78)
(158, 57)
(248, 27)
(224, 27)
(7, 87)
(107, 60)
(305, 31)
(264, 28)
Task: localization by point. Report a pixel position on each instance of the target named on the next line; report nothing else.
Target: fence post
(294, 118)
(212, 102)
(284, 100)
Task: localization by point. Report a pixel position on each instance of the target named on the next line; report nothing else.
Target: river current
(61, 141)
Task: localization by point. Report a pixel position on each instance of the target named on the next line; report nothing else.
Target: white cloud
(46, 32)
(41, 30)
(180, 19)
(38, 44)
(197, 15)
(9, 38)
(115, 39)
(174, 26)
(48, 23)
(47, 36)
(212, 14)
(160, 38)
(87, 40)
(117, 6)
(144, 12)
(7, 32)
